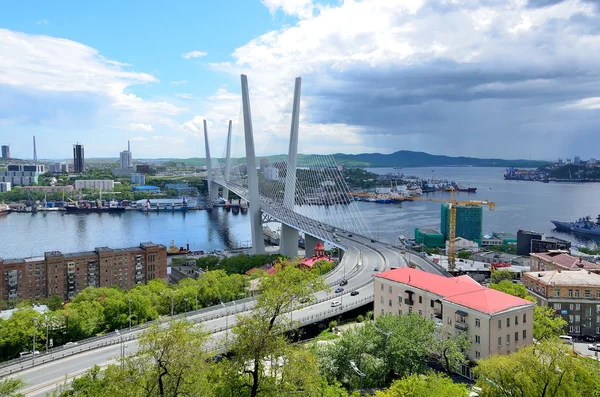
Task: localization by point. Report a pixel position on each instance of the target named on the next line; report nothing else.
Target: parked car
(589, 338)
(335, 303)
(28, 354)
(338, 290)
(70, 344)
(353, 293)
(595, 347)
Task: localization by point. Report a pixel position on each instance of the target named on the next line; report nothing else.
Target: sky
(483, 78)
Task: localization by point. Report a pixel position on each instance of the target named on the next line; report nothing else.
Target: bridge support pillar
(309, 243)
(288, 242)
(227, 162)
(290, 177)
(258, 243)
(213, 188)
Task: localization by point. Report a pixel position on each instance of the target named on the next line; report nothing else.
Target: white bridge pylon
(285, 198)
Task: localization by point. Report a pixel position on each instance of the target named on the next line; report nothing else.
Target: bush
(360, 318)
(332, 324)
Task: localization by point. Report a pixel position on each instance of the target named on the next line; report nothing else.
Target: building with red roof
(495, 322)
(318, 256)
(559, 260)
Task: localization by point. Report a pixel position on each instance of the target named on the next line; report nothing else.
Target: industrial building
(5, 151)
(496, 322)
(469, 222)
(65, 275)
(533, 242)
(98, 184)
(78, 158)
(22, 174)
(430, 238)
(574, 295)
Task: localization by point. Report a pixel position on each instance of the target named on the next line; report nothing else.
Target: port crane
(452, 204)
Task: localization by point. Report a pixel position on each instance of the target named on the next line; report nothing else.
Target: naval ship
(582, 225)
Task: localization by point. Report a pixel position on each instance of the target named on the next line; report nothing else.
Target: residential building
(65, 275)
(549, 244)
(488, 241)
(559, 260)
(78, 159)
(524, 238)
(430, 238)
(58, 168)
(574, 295)
(496, 323)
(469, 222)
(5, 151)
(126, 158)
(98, 184)
(5, 187)
(22, 174)
(271, 173)
(462, 244)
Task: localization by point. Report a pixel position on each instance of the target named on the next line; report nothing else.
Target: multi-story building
(559, 260)
(5, 187)
(51, 189)
(534, 242)
(469, 222)
(100, 184)
(5, 151)
(575, 295)
(138, 179)
(78, 158)
(58, 168)
(524, 238)
(495, 322)
(65, 275)
(22, 174)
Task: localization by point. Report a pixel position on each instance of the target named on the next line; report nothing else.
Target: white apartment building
(495, 322)
(100, 184)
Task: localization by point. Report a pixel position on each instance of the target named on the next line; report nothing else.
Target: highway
(362, 258)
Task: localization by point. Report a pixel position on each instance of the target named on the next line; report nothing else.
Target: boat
(173, 250)
(90, 207)
(459, 188)
(4, 209)
(583, 225)
(228, 206)
(244, 207)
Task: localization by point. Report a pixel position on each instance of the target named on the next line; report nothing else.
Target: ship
(458, 188)
(159, 206)
(4, 209)
(173, 250)
(583, 225)
(90, 207)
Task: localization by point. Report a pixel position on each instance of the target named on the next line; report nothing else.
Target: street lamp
(226, 325)
(186, 301)
(33, 351)
(46, 318)
(360, 374)
(129, 313)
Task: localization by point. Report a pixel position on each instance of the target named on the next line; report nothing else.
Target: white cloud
(179, 82)
(140, 127)
(586, 103)
(194, 54)
(299, 8)
(185, 96)
(53, 67)
(41, 22)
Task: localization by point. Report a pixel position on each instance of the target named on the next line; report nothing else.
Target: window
(399, 299)
(431, 303)
(598, 330)
(577, 318)
(390, 289)
(477, 355)
(516, 320)
(588, 311)
(381, 300)
(574, 329)
(399, 311)
(449, 320)
(499, 341)
(516, 336)
(597, 308)
(382, 312)
(390, 302)
(382, 287)
(420, 299)
(557, 306)
(477, 323)
(576, 293)
(409, 309)
(556, 292)
(508, 322)
(598, 293)
(508, 339)
(524, 318)
(587, 293)
(570, 293)
(570, 318)
(499, 324)
(524, 334)
(420, 313)
(477, 339)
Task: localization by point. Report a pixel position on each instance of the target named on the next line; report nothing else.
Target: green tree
(10, 387)
(261, 335)
(500, 275)
(546, 324)
(510, 288)
(432, 384)
(545, 369)
(465, 254)
(448, 347)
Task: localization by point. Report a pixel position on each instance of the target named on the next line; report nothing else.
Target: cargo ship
(90, 207)
(458, 188)
(582, 225)
(173, 250)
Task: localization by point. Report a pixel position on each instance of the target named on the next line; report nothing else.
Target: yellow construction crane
(452, 204)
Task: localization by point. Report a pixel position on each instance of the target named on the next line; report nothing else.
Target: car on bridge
(343, 282)
(338, 290)
(335, 303)
(28, 354)
(353, 293)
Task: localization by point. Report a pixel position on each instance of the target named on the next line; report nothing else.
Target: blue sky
(481, 78)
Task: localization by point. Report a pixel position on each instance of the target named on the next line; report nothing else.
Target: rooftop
(581, 277)
(566, 261)
(428, 230)
(462, 290)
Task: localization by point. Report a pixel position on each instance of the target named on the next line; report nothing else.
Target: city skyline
(377, 76)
